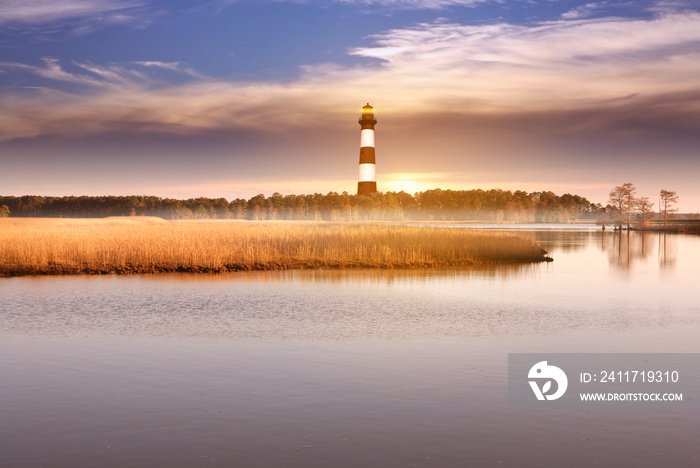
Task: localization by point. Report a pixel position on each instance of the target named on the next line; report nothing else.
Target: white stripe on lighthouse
(367, 138)
(368, 172)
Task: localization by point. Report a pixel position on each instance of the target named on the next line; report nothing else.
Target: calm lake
(344, 368)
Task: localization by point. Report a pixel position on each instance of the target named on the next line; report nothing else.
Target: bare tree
(667, 203)
(644, 209)
(622, 197)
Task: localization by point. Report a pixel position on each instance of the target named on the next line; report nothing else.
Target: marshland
(150, 245)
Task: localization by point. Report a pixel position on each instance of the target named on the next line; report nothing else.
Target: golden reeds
(149, 245)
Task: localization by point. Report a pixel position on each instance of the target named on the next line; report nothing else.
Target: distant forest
(487, 205)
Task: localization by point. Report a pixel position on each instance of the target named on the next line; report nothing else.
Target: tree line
(487, 205)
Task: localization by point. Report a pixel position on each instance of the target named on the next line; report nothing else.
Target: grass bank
(149, 245)
(691, 226)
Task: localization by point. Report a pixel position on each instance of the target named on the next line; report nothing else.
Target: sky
(231, 98)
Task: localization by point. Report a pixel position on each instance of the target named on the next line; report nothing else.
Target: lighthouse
(368, 178)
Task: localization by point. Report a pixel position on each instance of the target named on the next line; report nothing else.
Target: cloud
(583, 11)
(154, 63)
(44, 11)
(565, 63)
(607, 75)
(97, 76)
(416, 4)
(673, 6)
(115, 76)
(171, 66)
(396, 4)
(52, 70)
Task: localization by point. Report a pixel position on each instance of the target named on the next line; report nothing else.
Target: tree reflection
(667, 251)
(626, 249)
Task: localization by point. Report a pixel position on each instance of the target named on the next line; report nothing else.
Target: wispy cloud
(51, 70)
(96, 76)
(584, 11)
(44, 11)
(177, 67)
(112, 76)
(673, 6)
(395, 4)
(174, 66)
(416, 4)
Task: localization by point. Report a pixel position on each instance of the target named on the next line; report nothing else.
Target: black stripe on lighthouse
(367, 155)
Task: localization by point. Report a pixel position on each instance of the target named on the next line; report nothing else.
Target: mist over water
(342, 368)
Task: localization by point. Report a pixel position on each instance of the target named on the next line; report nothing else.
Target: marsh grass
(149, 245)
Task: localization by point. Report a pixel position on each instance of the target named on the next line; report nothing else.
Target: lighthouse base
(366, 187)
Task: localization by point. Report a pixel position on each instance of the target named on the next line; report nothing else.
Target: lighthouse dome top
(367, 109)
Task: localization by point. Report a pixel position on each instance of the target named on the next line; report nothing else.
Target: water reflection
(565, 240)
(668, 250)
(628, 249)
(625, 250)
(356, 276)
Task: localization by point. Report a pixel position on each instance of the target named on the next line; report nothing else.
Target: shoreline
(144, 270)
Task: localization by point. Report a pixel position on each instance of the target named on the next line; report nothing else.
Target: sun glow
(409, 183)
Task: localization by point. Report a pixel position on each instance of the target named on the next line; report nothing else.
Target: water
(343, 368)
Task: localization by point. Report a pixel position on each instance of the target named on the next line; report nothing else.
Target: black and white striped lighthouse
(368, 174)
